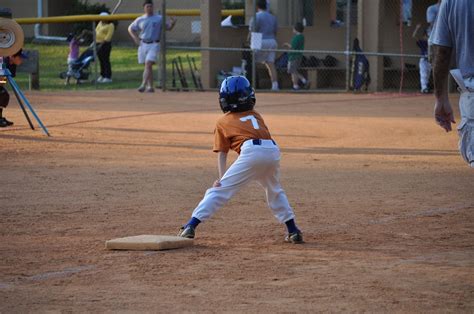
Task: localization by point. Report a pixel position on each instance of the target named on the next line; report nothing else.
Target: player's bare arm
(443, 111)
(415, 32)
(221, 166)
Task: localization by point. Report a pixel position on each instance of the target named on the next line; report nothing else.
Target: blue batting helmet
(236, 94)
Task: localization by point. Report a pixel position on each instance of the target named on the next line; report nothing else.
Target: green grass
(126, 72)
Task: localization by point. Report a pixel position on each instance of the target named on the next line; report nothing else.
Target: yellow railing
(114, 17)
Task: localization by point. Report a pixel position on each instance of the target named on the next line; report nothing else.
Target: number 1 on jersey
(252, 119)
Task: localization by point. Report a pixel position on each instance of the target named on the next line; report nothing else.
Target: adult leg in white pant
(466, 126)
(425, 71)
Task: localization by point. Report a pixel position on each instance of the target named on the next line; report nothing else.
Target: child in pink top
(74, 42)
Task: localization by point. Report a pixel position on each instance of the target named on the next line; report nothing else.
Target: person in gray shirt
(266, 23)
(146, 33)
(431, 14)
(453, 33)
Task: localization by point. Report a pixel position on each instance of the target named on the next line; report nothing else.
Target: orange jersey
(234, 128)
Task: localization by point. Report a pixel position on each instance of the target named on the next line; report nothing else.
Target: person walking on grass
(146, 33)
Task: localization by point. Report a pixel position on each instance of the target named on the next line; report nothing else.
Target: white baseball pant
(255, 162)
(466, 127)
(425, 71)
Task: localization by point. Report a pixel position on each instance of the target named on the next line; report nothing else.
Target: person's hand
(137, 41)
(173, 21)
(287, 45)
(216, 184)
(443, 113)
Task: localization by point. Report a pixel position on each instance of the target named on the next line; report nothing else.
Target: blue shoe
(186, 232)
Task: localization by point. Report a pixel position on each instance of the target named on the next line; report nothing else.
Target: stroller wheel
(63, 75)
(77, 75)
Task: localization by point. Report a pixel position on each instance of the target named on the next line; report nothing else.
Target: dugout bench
(325, 77)
(319, 77)
(391, 78)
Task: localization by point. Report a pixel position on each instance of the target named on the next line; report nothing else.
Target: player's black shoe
(186, 232)
(4, 123)
(295, 238)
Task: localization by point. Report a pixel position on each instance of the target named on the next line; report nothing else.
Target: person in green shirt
(294, 58)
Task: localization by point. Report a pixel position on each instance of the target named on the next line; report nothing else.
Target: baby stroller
(80, 68)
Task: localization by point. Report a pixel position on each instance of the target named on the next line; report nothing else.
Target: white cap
(103, 13)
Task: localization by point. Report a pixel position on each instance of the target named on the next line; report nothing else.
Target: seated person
(11, 64)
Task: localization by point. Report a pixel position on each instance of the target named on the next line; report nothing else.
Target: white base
(148, 242)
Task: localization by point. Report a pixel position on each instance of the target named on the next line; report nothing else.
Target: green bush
(233, 5)
(83, 7)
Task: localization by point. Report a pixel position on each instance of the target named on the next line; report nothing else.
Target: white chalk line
(49, 275)
(424, 213)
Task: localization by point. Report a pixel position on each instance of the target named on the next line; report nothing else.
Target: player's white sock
(304, 81)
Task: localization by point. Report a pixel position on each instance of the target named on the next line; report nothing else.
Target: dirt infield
(383, 197)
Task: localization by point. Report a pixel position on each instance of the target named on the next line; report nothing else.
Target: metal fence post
(162, 69)
(254, 68)
(348, 45)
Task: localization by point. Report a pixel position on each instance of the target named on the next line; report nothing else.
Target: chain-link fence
(348, 45)
(342, 50)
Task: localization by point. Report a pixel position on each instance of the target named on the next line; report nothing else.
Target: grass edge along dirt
(126, 72)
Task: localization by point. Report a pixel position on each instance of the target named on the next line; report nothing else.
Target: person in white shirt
(146, 33)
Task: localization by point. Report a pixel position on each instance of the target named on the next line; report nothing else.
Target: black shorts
(4, 97)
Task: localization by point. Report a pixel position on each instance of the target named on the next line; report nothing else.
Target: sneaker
(337, 23)
(4, 123)
(307, 84)
(275, 86)
(186, 232)
(99, 79)
(141, 89)
(295, 88)
(105, 80)
(8, 122)
(150, 90)
(425, 91)
(295, 238)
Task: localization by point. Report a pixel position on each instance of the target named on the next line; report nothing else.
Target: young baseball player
(295, 57)
(425, 65)
(243, 130)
